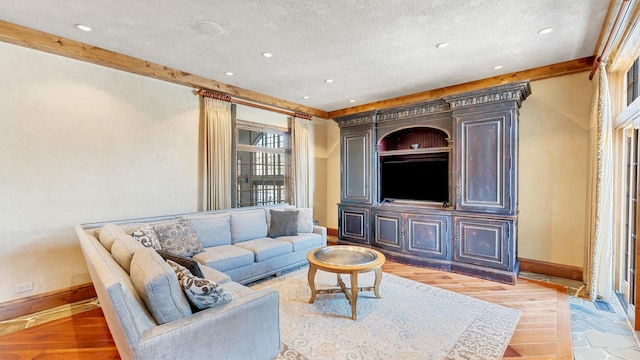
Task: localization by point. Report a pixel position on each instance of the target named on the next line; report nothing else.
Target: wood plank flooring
(544, 330)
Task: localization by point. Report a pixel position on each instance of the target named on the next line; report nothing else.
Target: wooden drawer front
(388, 230)
(354, 225)
(428, 236)
(484, 242)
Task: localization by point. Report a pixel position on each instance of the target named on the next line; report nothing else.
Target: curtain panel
(217, 129)
(301, 196)
(598, 268)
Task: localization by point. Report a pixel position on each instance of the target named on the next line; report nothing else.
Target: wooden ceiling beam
(34, 39)
(539, 73)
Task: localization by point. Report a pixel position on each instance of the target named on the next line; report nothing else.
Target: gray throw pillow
(283, 223)
(179, 238)
(190, 264)
(201, 293)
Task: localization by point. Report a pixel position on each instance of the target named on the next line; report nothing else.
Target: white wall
(83, 143)
(554, 145)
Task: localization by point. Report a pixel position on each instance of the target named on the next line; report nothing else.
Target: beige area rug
(410, 321)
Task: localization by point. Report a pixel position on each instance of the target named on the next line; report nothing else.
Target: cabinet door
(485, 157)
(353, 224)
(388, 229)
(428, 236)
(356, 167)
(485, 242)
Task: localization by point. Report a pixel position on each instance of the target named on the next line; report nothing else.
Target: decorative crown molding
(356, 119)
(414, 110)
(517, 91)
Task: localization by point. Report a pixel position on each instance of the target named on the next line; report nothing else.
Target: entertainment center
(436, 183)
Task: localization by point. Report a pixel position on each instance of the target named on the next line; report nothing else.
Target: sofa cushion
(108, 234)
(248, 225)
(122, 250)
(188, 263)
(178, 238)
(215, 275)
(225, 257)
(283, 223)
(146, 236)
(201, 293)
(266, 248)
(213, 230)
(305, 219)
(157, 284)
(303, 241)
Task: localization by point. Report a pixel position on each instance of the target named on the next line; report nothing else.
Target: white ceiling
(372, 49)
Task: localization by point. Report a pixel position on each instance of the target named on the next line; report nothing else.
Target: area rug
(410, 321)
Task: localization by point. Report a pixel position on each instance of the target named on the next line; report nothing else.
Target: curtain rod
(614, 29)
(225, 97)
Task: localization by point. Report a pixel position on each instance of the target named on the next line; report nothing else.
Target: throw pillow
(190, 264)
(305, 219)
(201, 293)
(147, 237)
(283, 223)
(179, 238)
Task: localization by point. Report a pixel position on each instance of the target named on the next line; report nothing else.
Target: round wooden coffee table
(344, 259)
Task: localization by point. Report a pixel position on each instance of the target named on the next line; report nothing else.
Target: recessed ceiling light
(208, 27)
(497, 67)
(83, 27)
(352, 100)
(545, 30)
(267, 54)
(442, 45)
(329, 81)
(305, 97)
(229, 73)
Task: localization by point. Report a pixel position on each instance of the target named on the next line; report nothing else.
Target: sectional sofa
(148, 305)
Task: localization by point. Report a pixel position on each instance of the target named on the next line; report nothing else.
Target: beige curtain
(300, 162)
(216, 174)
(599, 263)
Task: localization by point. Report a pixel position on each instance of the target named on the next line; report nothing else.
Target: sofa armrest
(322, 231)
(245, 328)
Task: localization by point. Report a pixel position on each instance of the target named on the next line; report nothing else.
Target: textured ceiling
(372, 49)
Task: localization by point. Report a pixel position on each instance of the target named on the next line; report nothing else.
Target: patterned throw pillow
(179, 238)
(147, 237)
(201, 293)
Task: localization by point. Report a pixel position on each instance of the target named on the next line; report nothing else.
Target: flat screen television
(421, 179)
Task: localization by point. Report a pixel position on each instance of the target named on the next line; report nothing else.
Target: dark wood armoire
(436, 183)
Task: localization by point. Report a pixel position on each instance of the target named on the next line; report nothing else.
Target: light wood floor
(544, 330)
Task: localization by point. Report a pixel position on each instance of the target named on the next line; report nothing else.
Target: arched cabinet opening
(415, 166)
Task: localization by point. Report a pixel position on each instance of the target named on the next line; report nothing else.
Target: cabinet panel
(485, 242)
(353, 224)
(486, 171)
(388, 229)
(356, 167)
(428, 236)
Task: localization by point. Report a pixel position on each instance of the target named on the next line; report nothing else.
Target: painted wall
(554, 147)
(554, 135)
(83, 143)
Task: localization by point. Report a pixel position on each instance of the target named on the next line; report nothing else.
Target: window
(632, 82)
(262, 174)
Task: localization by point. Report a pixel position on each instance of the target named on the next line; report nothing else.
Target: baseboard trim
(28, 305)
(332, 232)
(551, 269)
